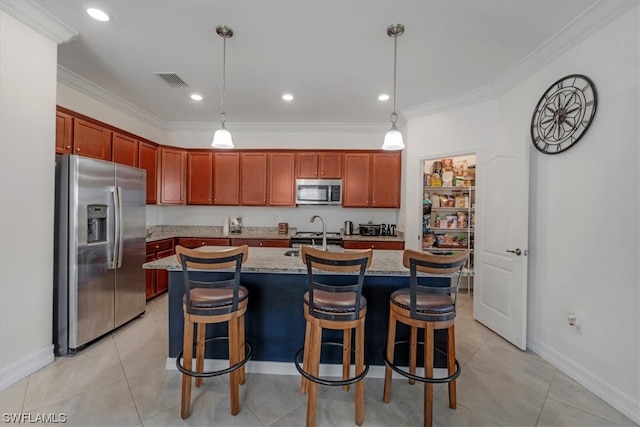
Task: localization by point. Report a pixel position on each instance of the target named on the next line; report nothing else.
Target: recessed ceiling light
(98, 14)
(383, 97)
(196, 97)
(287, 97)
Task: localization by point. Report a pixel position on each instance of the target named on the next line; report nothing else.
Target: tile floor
(122, 381)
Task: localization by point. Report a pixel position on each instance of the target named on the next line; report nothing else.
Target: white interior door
(500, 297)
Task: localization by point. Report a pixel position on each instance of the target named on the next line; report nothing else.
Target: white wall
(584, 210)
(27, 132)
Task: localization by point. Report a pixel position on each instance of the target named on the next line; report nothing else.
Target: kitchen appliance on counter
(348, 228)
(314, 238)
(370, 229)
(236, 225)
(318, 191)
(100, 217)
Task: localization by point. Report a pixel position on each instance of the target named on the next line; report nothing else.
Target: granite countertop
(273, 260)
(170, 232)
(173, 231)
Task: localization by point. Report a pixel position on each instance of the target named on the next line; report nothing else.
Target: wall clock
(563, 114)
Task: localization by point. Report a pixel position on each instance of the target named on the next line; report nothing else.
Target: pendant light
(222, 137)
(393, 137)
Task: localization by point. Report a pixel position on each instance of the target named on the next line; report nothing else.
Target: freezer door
(91, 274)
(130, 296)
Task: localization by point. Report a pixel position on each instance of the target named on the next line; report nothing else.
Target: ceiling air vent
(172, 79)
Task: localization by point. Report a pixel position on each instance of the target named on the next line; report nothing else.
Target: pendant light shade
(393, 137)
(222, 137)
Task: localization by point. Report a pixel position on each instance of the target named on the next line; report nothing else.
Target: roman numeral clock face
(563, 114)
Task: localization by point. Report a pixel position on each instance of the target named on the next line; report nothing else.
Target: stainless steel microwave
(319, 191)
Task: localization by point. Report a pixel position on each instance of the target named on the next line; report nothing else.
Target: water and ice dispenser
(96, 223)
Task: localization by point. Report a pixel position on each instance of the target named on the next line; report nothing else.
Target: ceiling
(334, 56)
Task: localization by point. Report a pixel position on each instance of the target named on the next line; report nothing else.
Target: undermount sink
(330, 248)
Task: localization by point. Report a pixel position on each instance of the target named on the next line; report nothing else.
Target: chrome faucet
(324, 231)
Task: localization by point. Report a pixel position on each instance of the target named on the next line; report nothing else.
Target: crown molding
(279, 127)
(460, 100)
(38, 19)
(591, 20)
(594, 18)
(83, 85)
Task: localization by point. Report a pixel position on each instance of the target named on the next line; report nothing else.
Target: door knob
(517, 251)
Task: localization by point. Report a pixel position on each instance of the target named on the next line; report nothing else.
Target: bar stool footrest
(325, 381)
(219, 372)
(404, 373)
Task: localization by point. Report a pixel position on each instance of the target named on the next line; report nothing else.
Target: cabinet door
(307, 165)
(356, 179)
(385, 180)
(162, 280)
(64, 136)
(282, 179)
(199, 178)
(148, 160)
(172, 175)
(253, 190)
(125, 150)
(91, 140)
(226, 179)
(330, 165)
(150, 277)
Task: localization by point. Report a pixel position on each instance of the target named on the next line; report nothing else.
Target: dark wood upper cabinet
(226, 178)
(356, 180)
(124, 150)
(253, 186)
(282, 179)
(199, 178)
(319, 165)
(91, 140)
(385, 180)
(173, 162)
(148, 160)
(64, 133)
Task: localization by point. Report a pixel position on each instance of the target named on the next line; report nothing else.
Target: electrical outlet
(575, 322)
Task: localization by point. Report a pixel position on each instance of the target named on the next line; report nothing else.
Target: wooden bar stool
(213, 301)
(429, 308)
(336, 306)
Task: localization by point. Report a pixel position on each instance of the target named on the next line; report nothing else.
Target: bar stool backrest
(335, 262)
(433, 265)
(193, 260)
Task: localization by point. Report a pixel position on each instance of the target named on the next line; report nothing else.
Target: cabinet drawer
(371, 244)
(194, 242)
(264, 243)
(160, 245)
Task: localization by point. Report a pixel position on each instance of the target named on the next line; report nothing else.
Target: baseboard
(614, 397)
(288, 368)
(25, 367)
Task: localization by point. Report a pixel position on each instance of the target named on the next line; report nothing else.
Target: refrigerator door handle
(111, 264)
(119, 227)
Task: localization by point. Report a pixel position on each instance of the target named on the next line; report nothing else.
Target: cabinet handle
(77, 149)
(157, 246)
(68, 146)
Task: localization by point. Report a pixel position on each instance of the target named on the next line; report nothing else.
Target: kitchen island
(274, 321)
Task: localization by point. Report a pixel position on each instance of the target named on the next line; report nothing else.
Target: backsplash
(297, 217)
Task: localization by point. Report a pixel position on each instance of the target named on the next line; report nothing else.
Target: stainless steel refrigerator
(99, 283)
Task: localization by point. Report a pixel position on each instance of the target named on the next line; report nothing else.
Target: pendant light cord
(223, 115)
(394, 115)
